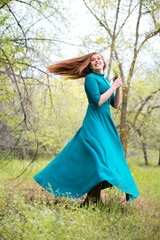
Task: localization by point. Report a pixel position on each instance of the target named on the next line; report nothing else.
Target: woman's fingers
(118, 82)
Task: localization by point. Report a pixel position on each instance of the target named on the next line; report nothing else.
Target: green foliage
(37, 109)
(5, 91)
(24, 51)
(57, 117)
(115, 69)
(148, 119)
(56, 111)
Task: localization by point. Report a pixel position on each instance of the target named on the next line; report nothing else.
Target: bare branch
(125, 20)
(37, 144)
(18, 23)
(113, 39)
(119, 65)
(129, 8)
(135, 45)
(142, 106)
(41, 13)
(3, 160)
(3, 5)
(150, 12)
(150, 109)
(48, 39)
(15, 80)
(150, 35)
(99, 20)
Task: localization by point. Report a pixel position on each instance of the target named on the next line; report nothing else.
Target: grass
(27, 212)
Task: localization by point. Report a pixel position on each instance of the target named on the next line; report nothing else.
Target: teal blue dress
(95, 153)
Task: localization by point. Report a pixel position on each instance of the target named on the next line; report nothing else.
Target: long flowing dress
(95, 153)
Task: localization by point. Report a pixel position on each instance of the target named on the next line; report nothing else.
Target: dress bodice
(95, 85)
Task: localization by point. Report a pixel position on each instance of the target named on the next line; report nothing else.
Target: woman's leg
(94, 194)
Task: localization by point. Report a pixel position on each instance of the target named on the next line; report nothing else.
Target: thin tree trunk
(159, 158)
(123, 127)
(145, 152)
(113, 39)
(144, 148)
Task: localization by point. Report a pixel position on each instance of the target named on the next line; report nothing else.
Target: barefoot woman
(94, 158)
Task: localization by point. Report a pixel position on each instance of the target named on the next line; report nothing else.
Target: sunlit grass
(27, 212)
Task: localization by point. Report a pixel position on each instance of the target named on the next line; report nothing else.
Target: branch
(150, 35)
(49, 5)
(119, 65)
(28, 78)
(100, 22)
(113, 39)
(41, 19)
(152, 108)
(26, 64)
(4, 160)
(15, 80)
(141, 108)
(37, 144)
(135, 46)
(18, 24)
(150, 12)
(48, 39)
(29, 65)
(130, 5)
(3, 5)
(137, 27)
(129, 13)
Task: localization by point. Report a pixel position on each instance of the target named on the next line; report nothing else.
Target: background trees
(129, 27)
(24, 51)
(41, 112)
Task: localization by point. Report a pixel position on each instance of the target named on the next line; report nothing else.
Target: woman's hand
(106, 95)
(117, 83)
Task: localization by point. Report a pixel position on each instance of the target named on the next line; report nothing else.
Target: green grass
(27, 212)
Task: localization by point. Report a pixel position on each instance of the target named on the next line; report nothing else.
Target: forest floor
(29, 212)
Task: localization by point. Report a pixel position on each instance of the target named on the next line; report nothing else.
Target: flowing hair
(74, 68)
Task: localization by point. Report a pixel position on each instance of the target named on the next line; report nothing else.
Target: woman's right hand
(117, 83)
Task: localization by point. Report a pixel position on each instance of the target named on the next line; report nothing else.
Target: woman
(94, 158)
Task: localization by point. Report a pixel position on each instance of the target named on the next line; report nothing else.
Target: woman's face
(97, 63)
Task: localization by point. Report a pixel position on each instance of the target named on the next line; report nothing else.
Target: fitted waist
(104, 106)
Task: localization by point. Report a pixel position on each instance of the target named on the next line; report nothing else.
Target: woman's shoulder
(93, 77)
(90, 78)
(90, 75)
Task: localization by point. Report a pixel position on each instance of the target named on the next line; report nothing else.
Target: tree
(121, 22)
(23, 51)
(143, 115)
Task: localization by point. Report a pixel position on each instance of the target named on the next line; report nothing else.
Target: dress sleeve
(92, 88)
(112, 99)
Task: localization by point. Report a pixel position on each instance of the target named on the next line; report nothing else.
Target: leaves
(115, 69)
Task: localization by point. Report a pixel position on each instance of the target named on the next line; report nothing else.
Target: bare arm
(117, 98)
(105, 96)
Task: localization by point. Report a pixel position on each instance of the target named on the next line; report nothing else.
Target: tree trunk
(144, 148)
(159, 158)
(145, 152)
(123, 127)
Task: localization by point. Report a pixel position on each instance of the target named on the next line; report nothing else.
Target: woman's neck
(99, 71)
